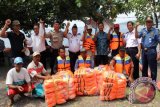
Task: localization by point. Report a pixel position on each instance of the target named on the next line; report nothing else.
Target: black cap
(122, 48)
(74, 26)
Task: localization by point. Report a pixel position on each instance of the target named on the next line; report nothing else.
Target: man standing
(101, 40)
(150, 38)
(116, 39)
(132, 48)
(74, 44)
(17, 39)
(38, 41)
(88, 41)
(38, 74)
(18, 80)
(56, 38)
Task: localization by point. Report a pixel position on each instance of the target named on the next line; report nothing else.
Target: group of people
(85, 50)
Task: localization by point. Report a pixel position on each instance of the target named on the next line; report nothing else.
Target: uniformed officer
(150, 39)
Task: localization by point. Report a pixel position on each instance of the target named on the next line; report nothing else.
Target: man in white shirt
(18, 80)
(38, 41)
(133, 47)
(38, 74)
(75, 40)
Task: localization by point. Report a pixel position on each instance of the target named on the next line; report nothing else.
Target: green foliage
(30, 11)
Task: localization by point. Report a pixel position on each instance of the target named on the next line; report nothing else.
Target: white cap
(35, 54)
(89, 27)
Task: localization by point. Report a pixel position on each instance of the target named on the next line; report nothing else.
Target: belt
(74, 52)
(149, 48)
(131, 48)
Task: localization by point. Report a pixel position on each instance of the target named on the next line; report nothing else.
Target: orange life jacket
(123, 67)
(82, 63)
(89, 43)
(115, 42)
(63, 64)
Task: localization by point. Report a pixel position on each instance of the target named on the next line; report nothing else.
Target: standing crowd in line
(130, 52)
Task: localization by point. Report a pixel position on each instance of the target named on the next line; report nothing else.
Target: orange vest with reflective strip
(89, 43)
(63, 64)
(82, 63)
(115, 42)
(123, 66)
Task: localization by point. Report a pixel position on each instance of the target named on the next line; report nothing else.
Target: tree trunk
(156, 19)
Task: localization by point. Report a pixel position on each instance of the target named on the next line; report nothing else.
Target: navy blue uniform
(150, 39)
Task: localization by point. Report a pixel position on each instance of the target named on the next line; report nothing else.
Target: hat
(18, 60)
(15, 22)
(116, 25)
(149, 18)
(82, 50)
(89, 27)
(35, 54)
(74, 26)
(122, 48)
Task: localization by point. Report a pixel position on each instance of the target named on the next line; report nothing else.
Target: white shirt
(130, 39)
(37, 41)
(74, 42)
(7, 43)
(17, 78)
(34, 70)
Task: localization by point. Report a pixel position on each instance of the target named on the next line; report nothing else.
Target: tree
(143, 8)
(28, 12)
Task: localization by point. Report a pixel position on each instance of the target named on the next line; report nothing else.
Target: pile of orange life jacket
(113, 86)
(85, 80)
(60, 88)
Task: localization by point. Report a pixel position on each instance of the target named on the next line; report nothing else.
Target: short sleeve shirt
(16, 43)
(102, 43)
(150, 38)
(56, 39)
(74, 42)
(34, 70)
(17, 78)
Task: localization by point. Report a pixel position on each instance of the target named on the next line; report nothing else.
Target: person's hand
(137, 24)
(8, 22)
(48, 77)
(158, 56)
(24, 49)
(29, 89)
(20, 88)
(68, 24)
(131, 79)
(138, 55)
(111, 28)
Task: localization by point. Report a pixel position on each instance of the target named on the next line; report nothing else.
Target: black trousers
(43, 58)
(114, 52)
(53, 60)
(149, 58)
(101, 60)
(132, 53)
(73, 57)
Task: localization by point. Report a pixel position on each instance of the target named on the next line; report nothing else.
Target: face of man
(101, 27)
(37, 58)
(116, 30)
(56, 26)
(130, 27)
(83, 54)
(18, 66)
(62, 53)
(122, 53)
(89, 31)
(16, 28)
(74, 31)
(149, 24)
(36, 29)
